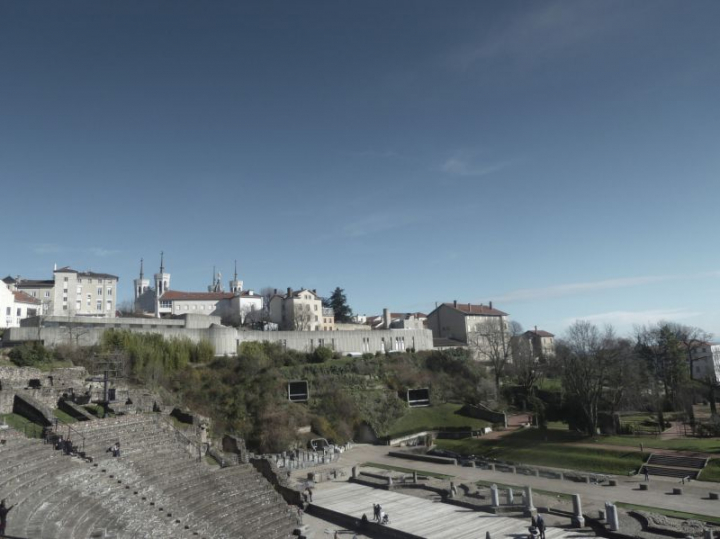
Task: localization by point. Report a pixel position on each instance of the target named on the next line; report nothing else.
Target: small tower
(236, 286)
(141, 284)
(162, 279)
(216, 285)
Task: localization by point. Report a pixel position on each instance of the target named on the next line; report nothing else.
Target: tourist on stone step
(4, 510)
(385, 519)
(309, 494)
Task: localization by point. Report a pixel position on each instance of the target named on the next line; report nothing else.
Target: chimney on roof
(386, 319)
(289, 292)
(490, 304)
(535, 329)
(455, 303)
(314, 290)
(275, 291)
(469, 307)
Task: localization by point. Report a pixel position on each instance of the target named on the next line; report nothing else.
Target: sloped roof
(8, 280)
(34, 283)
(88, 274)
(471, 309)
(540, 333)
(22, 297)
(176, 295)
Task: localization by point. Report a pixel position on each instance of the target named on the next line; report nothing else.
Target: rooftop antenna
(141, 269)
(162, 262)
(236, 270)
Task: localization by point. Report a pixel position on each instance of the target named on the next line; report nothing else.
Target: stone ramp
(426, 518)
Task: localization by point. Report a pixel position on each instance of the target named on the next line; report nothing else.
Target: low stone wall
(33, 410)
(421, 457)
(271, 473)
(484, 413)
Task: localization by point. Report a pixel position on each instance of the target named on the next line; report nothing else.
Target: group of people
(537, 527)
(379, 515)
(4, 510)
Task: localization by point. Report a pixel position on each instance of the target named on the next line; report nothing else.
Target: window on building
(8, 311)
(64, 307)
(78, 305)
(99, 291)
(315, 307)
(31, 312)
(19, 311)
(89, 297)
(78, 290)
(47, 294)
(80, 281)
(98, 305)
(34, 294)
(316, 318)
(166, 304)
(65, 279)
(109, 290)
(108, 305)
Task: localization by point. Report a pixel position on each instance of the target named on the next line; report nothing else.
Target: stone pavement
(695, 497)
(426, 518)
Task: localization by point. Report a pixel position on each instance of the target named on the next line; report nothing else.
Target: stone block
(677, 491)
(644, 486)
(714, 495)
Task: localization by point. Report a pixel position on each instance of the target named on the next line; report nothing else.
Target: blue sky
(558, 158)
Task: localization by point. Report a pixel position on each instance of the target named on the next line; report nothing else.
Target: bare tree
(302, 318)
(588, 356)
(492, 341)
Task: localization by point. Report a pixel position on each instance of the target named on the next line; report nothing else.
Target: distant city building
(705, 362)
(461, 323)
(235, 307)
(542, 343)
(16, 306)
(389, 320)
(71, 293)
(300, 310)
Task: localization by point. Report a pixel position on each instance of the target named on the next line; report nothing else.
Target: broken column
(354, 472)
(530, 509)
(415, 478)
(578, 520)
(494, 496)
(612, 517)
(511, 496)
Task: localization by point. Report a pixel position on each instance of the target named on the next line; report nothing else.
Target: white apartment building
(16, 306)
(71, 293)
(705, 362)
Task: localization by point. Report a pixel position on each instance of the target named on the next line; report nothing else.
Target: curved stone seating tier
(156, 489)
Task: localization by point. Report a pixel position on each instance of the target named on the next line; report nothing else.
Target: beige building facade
(300, 310)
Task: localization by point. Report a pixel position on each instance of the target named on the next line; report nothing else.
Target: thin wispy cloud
(629, 319)
(466, 163)
(101, 252)
(46, 248)
(543, 32)
(572, 289)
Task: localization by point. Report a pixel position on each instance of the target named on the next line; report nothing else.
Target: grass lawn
(530, 446)
(670, 513)
(704, 445)
(64, 417)
(19, 423)
(404, 470)
(443, 415)
(711, 472)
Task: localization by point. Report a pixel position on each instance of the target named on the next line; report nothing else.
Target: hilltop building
(461, 322)
(234, 307)
(70, 293)
(542, 343)
(300, 310)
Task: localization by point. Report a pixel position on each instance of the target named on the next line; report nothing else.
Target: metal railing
(70, 430)
(182, 437)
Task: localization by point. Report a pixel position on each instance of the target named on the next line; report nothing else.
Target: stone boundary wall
(53, 331)
(424, 458)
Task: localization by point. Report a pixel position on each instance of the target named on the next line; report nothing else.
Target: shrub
(31, 354)
(322, 354)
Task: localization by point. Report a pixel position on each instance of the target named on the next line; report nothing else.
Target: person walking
(541, 526)
(4, 510)
(647, 475)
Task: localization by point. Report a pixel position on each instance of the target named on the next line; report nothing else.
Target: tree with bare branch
(491, 342)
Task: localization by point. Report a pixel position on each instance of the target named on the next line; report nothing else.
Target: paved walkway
(426, 518)
(694, 500)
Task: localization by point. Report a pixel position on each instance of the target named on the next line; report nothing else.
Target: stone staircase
(156, 489)
(678, 466)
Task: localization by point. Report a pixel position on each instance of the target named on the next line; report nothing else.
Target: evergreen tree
(338, 303)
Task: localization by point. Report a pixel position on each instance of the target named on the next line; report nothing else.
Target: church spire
(162, 262)
(141, 269)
